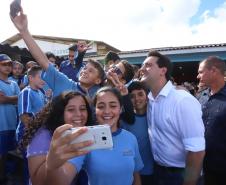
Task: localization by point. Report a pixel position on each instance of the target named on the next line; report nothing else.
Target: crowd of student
(161, 132)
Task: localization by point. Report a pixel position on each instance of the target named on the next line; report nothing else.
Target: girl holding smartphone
(117, 166)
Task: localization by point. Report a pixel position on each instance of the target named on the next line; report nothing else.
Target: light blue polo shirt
(140, 130)
(30, 101)
(112, 166)
(8, 113)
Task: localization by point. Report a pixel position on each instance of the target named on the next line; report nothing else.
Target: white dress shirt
(175, 126)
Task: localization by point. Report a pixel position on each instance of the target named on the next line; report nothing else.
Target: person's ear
(97, 81)
(164, 70)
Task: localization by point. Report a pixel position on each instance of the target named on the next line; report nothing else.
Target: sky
(124, 24)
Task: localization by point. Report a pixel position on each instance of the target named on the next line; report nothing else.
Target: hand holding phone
(100, 135)
(15, 8)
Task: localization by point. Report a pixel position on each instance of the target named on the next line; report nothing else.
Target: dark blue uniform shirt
(214, 118)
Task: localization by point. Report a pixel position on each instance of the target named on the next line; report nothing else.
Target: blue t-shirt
(113, 166)
(8, 113)
(59, 82)
(25, 80)
(71, 71)
(17, 80)
(30, 101)
(140, 130)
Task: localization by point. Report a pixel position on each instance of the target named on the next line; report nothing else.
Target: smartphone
(99, 134)
(15, 8)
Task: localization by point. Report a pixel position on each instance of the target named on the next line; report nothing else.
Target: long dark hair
(52, 116)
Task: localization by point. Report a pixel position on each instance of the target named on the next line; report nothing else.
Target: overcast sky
(124, 24)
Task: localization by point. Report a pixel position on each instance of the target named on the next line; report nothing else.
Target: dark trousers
(168, 175)
(147, 179)
(211, 178)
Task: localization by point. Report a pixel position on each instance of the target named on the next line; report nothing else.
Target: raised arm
(21, 23)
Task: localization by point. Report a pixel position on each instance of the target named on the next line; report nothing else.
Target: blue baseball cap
(4, 57)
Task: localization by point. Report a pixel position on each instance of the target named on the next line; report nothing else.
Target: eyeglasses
(10, 64)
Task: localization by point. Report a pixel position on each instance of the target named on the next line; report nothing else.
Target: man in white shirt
(176, 128)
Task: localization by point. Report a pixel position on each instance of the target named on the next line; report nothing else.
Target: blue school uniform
(140, 130)
(113, 166)
(30, 101)
(59, 82)
(17, 80)
(8, 116)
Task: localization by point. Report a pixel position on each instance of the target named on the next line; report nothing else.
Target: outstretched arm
(21, 23)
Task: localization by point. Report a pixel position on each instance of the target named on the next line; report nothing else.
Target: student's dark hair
(18, 63)
(50, 55)
(214, 61)
(99, 68)
(52, 116)
(34, 70)
(129, 72)
(137, 85)
(73, 47)
(110, 89)
(163, 61)
(111, 56)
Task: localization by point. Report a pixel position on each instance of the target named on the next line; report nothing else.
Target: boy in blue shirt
(17, 74)
(139, 128)
(31, 100)
(9, 91)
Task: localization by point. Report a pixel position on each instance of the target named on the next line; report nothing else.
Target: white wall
(56, 48)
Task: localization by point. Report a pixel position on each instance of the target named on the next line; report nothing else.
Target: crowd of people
(163, 133)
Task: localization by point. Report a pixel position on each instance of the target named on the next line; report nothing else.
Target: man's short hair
(50, 55)
(99, 68)
(214, 61)
(18, 63)
(163, 61)
(34, 70)
(137, 85)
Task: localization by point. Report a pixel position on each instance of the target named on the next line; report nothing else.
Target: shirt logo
(127, 152)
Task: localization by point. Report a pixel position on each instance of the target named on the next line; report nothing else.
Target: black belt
(171, 169)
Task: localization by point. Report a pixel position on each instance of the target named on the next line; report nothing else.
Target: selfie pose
(72, 109)
(117, 166)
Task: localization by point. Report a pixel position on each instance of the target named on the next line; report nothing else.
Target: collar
(6, 81)
(81, 89)
(164, 91)
(117, 132)
(140, 115)
(69, 63)
(222, 91)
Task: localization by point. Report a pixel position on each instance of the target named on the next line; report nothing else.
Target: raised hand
(20, 21)
(113, 77)
(83, 46)
(60, 148)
